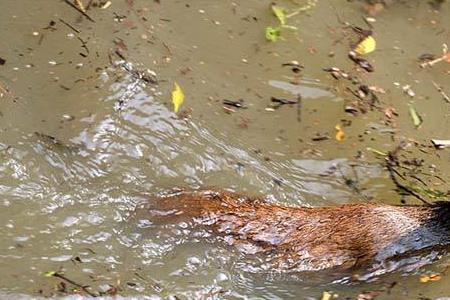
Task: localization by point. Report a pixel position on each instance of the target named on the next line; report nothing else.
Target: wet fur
(309, 239)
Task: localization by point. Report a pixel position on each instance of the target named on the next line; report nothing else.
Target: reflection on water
(307, 92)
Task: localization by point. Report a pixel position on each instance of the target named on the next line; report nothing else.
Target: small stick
(84, 288)
(299, 108)
(83, 44)
(391, 161)
(441, 91)
(432, 62)
(167, 48)
(70, 26)
(79, 10)
(445, 56)
(400, 186)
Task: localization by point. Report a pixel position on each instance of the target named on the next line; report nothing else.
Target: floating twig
(391, 163)
(363, 63)
(238, 104)
(441, 91)
(282, 101)
(68, 25)
(299, 108)
(441, 143)
(445, 56)
(167, 48)
(79, 10)
(84, 288)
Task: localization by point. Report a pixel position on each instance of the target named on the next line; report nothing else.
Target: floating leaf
(273, 34)
(417, 120)
(339, 133)
(49, 274)
(367, 45)
(428, 278)
(280, 13)
(177, 97)
(326, 296)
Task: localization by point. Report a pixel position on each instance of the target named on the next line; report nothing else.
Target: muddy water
(84, 138)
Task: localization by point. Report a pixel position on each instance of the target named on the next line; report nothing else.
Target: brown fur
(309, 239)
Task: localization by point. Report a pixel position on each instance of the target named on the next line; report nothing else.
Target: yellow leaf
(339, 133)
(367, 45)
(326, 296)
(177, 97)
(428, 278)
(49, 273)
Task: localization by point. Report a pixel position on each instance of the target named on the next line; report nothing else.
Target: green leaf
(377, 152)
(50, 273)
(273, 34)
(417, 120)
(280, 13)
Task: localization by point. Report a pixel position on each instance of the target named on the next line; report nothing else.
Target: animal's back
(308, 239)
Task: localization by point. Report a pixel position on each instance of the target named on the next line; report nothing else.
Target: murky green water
(66, 204)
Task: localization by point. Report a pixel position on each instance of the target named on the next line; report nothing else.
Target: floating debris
(282, 101)
(408, 91)
(295, 65)
(440, 144)
(445, 57)
(363, 63)
(417, 120)
(430, 278)
(238, 104)
(80, 10)
(273, 34)
(177, 97)
(338, 73)
(320, 137)
(340, 135)
(441, 91)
